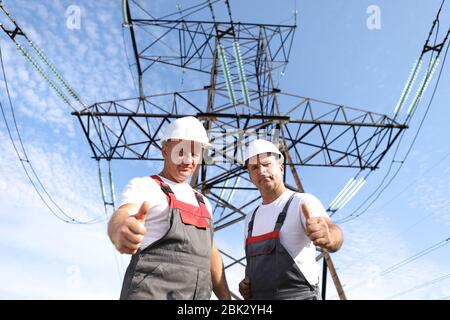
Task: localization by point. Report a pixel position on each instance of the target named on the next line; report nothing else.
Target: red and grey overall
(177, 266)
(272, 271)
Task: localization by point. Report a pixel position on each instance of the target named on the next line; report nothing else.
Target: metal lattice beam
(316, 133)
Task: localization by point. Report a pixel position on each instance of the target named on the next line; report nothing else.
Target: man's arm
(336, 237)
(126, 227)
(219, 282)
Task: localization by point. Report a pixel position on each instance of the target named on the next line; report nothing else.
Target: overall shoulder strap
(250, 224)
(164, 186)
(282, 215)
(202, 205)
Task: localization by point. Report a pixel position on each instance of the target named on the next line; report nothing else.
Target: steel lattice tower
(240, 97)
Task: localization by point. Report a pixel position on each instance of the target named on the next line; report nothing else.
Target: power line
(352, 216)
(415, 257)
(410, 184)
(25, 161)
(421, 286)
(395, 197)
(431, 66)
(58, 89)
(402, 263)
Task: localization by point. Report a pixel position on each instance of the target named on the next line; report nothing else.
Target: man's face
(181, 158)
(265, 171)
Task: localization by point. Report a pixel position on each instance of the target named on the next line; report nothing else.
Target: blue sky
(335, 57)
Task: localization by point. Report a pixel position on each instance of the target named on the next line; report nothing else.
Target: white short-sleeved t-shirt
(292, 233)
(157, 221)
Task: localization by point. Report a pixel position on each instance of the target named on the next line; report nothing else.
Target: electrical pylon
(239, 101)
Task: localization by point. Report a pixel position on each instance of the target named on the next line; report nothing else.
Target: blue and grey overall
(272, 271)
(177, 266)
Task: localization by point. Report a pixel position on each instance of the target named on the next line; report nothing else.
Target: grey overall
(177, 266)
(273, 273)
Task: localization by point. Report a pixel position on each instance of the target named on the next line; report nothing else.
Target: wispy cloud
(368, 250)
(67, 259)
(87, 57)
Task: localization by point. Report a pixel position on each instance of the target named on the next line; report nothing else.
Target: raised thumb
(306, 211)
(143, 210)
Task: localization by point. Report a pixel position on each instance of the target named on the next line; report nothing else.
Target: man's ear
(248, 171)
(164, 149)
(250, 176)
(281, 166)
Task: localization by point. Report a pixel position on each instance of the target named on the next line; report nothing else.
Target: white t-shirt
(292, 233)
(157, 221)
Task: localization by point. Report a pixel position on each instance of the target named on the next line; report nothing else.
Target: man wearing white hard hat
(281, 234)
(166, 226)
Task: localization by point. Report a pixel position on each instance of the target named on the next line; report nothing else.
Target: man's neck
(165, 174)
(272, 195)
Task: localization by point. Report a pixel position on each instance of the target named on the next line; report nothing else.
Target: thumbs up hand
(143, 211)
(131, 230)
(317, 228)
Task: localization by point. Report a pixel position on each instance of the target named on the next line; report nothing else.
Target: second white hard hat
(260, 146)
(186, 128)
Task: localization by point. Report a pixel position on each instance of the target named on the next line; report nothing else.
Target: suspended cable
(353, 215)
(59, 91)
(414, 72)
(403, 98)
(415, 257)
(402, 263)
(421, 286)
(409, 185)
(25, 161)
(45, 61)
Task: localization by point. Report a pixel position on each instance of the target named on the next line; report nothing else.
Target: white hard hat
(260, 146)
(186, 128)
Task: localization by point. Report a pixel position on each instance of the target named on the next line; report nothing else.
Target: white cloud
(94, 70)
(29, 232)
(430, 195)
(368, 250)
